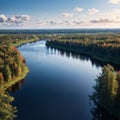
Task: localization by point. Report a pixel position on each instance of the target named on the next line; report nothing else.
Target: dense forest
(104, 47)
(12, 63)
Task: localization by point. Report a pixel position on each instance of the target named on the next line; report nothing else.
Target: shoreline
(16, 79)
(90, 55)
(11, 82)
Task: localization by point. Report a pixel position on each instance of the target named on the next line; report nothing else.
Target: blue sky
(59, 14)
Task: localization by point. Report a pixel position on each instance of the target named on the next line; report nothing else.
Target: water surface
(57, 87)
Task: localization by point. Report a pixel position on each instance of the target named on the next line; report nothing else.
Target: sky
(40, 14)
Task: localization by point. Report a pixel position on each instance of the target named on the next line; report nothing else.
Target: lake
(58, 85)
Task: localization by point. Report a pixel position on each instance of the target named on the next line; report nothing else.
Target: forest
(101, 46)
(12, 63)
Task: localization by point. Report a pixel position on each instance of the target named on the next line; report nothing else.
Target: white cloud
(67, 15)
(114, 1)
(19, 19)
(14, 20)
(93, 11)
(3, 18)
(104, 21)
(117, 11)
(78, 9)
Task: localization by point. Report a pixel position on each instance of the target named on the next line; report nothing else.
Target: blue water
(57, 87)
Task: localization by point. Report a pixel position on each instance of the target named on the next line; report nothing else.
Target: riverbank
(16, 79)
(101, 59)
(24, 42)
(24, 73)
(12, 64)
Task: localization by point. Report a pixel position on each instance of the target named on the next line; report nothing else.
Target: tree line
(104, 47)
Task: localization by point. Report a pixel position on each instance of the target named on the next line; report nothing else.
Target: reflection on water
(99, 113)
(76, 55)
(81, 56)
(7, 110)
(16, 86)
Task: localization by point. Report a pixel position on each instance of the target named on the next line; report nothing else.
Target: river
(58, 85)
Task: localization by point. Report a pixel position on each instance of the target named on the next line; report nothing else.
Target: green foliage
(12, 63)
(104, 47)
(7, 111)
(107, 91)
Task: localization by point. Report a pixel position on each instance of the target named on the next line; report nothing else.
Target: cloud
(67, 15)
(78, 9)
(14, 20)
(114, 1)
(51, 22)
(93, 11)
(104, 21)
(3, 18)
(63, 22)
(19, 19)
(78, 22)
(116, 11)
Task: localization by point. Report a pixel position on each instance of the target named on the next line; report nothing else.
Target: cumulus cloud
(67, 15)
(114, 1)
(104, 21)
(3, 18)
(19, 19)
(78, 9)
(93, 11)
(14, 20)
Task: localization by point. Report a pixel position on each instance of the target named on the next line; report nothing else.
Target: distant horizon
(53, 28)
